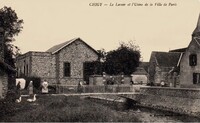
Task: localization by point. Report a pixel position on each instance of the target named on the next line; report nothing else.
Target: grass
(79, 109)
(61, 109)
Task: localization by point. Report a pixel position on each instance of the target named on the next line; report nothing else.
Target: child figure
(45, 87)
(30, 87)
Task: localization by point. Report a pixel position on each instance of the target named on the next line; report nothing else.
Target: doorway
(88, 70)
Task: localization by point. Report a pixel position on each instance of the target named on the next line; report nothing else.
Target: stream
(145, 114)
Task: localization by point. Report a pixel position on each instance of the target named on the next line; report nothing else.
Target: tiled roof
(144, 65)
(58, 47)
(167, 59)
(179, 50)
(139, 71)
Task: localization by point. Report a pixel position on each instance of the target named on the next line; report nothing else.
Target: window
(196, 78)
(193, 60)
(27, 70)
(67, 69)
(24, 68)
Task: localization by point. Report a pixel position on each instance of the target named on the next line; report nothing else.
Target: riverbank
(80, 108)
(145, 112)
(179, 100)
(60, 108)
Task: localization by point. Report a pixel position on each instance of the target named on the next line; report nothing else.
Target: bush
(11, 95)
(52, 89)
(7, 108)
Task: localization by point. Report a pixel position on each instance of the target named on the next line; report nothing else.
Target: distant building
(179, 67)
(161, 65)
(190, 63)
(66, 63)
(140, 76)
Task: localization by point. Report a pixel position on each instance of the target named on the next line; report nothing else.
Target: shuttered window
(67, 69)
(193, 59)
(196, 78)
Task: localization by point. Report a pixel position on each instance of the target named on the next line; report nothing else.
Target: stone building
(190, 63)
(65, 63)
(162, 66)
(140, 75)
(178, 67)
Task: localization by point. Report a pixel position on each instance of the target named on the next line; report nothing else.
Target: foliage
(63, 109)
(6, 107)
(10, 26)
(123, 60)
(11, 94)
(97, 67)
(102, 55)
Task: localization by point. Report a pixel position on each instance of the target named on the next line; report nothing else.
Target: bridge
(120, 97)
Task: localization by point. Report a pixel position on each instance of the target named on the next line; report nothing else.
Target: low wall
(98, 79)
(97, 89)
(180, 100)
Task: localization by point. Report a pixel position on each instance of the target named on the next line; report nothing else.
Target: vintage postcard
(100, 61)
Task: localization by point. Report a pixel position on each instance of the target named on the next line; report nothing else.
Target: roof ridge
(67, 43)
(166, 52)
(59, 46)
(167, 59)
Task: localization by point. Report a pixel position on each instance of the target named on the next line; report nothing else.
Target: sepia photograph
(100, 61)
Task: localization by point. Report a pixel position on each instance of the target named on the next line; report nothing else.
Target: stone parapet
(181, 100)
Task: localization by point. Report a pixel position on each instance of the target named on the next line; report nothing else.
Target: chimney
(1, 44)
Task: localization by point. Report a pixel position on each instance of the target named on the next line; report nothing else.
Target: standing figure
(80, 87)
(30, 88)
(18, 89)
(18, 93)
(45, 87)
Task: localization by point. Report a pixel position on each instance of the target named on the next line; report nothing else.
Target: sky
(161, 25)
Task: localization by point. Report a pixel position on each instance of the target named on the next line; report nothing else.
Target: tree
(102, 55)
(123, 60)
(11, 26)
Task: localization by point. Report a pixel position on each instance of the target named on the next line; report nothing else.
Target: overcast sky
(153, 28)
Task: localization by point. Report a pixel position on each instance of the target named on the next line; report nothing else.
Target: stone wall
(22, 62)
(43, 65)
(139, 79)
(37, 64)
(117, 79)
(96, 89)
(96, 80)
(172, 99)
(76, 54)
